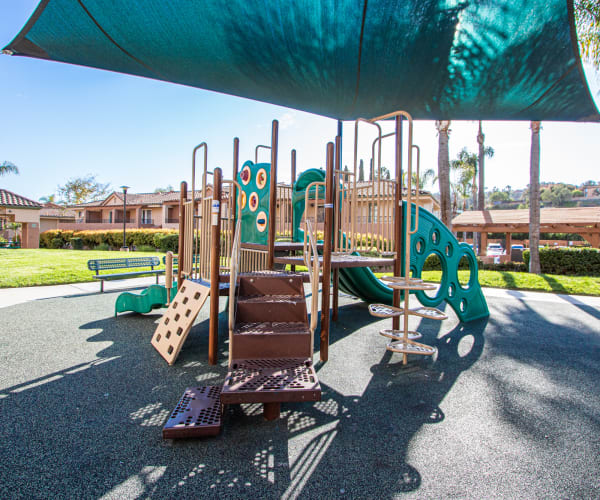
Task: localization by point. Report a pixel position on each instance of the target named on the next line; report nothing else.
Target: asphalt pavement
(508, 408)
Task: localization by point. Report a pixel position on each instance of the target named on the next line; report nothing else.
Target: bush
(77, 243)
(111, 237)
(568, 261)
(102, 246)
(167, 242)
(432, 263)
(56, 242)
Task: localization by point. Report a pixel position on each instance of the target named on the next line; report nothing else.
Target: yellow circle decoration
(261, 221)
(244, 198)
(253, 202)
(261, 178)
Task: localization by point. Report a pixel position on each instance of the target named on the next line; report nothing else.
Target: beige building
(17, 208)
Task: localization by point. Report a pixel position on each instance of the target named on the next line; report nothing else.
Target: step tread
(271, 328)
(198, 413)
(271, 380)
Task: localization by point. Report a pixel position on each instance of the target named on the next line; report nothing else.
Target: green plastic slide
(153, 297)
(432, 237)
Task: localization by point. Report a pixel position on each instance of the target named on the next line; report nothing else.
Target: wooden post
(398, 218)
(484, 242)
(292, 181)
(273, 196)
(182, 200)
(324, 346)
(215, 257)
(508, 245)
(234, 194)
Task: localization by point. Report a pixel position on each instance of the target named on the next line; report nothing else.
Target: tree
(51, 198)
(167, 189)
(443, 128)
(465, 166)
(587, 21)
(361, 171)
(424, 178)
(7, 167)
(557, 196)
(81, 189)
(534, 199)
(499, 197)
(15, 227)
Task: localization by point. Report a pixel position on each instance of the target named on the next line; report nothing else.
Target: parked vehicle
(517, 247)
(495, 249)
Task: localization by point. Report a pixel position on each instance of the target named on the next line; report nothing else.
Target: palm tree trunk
(534, 200)
(481, 193)
(444, 171)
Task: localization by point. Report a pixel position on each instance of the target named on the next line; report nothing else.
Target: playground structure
(232, 240)
(247, 207)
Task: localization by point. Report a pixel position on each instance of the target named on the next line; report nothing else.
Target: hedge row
(157, 238)
(432, 263)
(569, 261)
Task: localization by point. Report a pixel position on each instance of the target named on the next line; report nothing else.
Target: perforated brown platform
(198, 413)
(271, 381)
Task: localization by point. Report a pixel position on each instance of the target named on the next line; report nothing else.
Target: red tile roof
(10, 199)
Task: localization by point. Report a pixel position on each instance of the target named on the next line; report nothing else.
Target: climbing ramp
(177, 321)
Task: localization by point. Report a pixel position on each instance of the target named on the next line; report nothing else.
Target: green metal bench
(98, 265)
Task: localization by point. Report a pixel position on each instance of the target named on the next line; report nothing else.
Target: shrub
(102, 246)
(77, 243)
(167, 242)
(432, 263)
(56, 242)
(569, 261)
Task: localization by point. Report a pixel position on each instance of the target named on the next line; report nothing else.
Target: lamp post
(124, 188)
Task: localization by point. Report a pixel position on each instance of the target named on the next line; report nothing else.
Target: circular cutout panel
(261, 221)
(261, 178)
(245, 175)
(435, 236)
(244, 200)
(467, 274)
(253, 202)
(419, 245)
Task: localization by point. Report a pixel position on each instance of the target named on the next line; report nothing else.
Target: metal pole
(124, 188)
(182, 222)
(398, 219)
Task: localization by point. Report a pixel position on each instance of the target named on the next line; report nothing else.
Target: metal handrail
(234, 264)
(311, 260)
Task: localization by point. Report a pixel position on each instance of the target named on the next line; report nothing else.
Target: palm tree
(443, 128)
(534, 200)
(7, 167)
(51, 198)
(425, 178)
(587, 20)
(465, 166)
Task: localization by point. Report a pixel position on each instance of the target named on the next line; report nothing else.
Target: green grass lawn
(27, 267)
(32, 267)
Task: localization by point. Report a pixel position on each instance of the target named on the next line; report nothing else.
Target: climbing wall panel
(177, 321)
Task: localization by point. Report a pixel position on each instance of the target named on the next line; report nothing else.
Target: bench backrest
(106, 264)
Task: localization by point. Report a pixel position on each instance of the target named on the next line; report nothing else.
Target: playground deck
(341, 261)
(498, 413)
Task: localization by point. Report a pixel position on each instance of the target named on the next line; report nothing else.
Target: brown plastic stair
(271, 344)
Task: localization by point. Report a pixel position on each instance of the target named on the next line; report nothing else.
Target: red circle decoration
(253, 202)
(261, 178)
(261, 221)
(245, 175)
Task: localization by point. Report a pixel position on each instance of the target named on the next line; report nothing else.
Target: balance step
(277, 308)
(271, 381)
(290, 339)
(385, 311)
(411, 347)
(198, 413)
(271, 283)
(399, 334)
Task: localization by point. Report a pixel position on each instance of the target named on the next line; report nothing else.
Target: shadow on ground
(90, 425)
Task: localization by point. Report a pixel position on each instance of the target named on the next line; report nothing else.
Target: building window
(146, 216)
(110, 217)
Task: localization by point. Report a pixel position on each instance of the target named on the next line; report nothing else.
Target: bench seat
(98, 265)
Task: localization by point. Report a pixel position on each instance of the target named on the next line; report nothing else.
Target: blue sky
(61, 121)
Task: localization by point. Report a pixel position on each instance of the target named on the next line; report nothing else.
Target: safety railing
(311, 260)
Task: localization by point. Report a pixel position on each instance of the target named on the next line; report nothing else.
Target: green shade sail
(437, 59)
